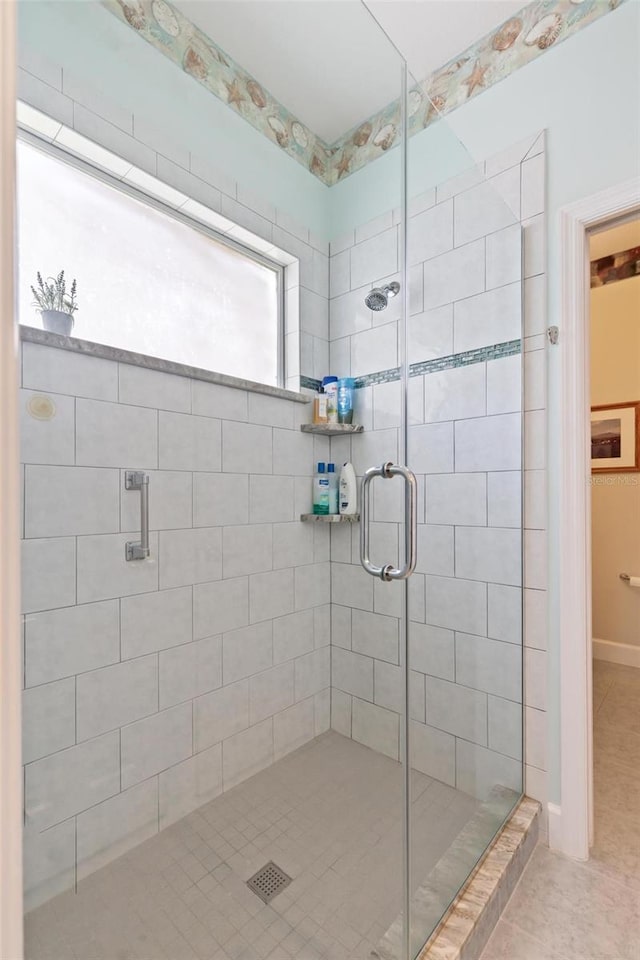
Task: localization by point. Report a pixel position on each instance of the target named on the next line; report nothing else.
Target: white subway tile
(433, 752)
(375, 635)
(62, 371)
(314, 313)
(488, 443)
(535, 380)
(533, 186)
(504, 385)
(455, 393)
(49, 863)
(430, 232)
(432, 447)
(190, 556)
(457, 709)
(535, 306)
(488, 318)
(271, 499)
(312, 673)
(189, 442)
(535, 559)
(352, 673)
(190, 784)
(72, 780)
(504, 256)
(534, 245)
(247, 753)
(489, 665)
(293, 543)
(112, 138)
(456, 604)
(43, 97)
(479, 771)
(535, 440)
(374, 350)
(247, 651)
(374, 258)
(312, 584)
(189, 671)
(105, 573)
(431, 650)
(272, 411)
(456, 498)
(351, 586)
(340, 712)
(245, 217)
(535, 727)
(293, 635)
(535, 499)
(47, 424)
(220, 499)
(504, 498)
(505, 613)
(270, 692)
(220, 606)
(215, 400)
(431, 334)
(489, 553)
(65, 501)
(505, 727)
(270, 595)
(111, 828)
(156, 743)
(349, 313)
(293, 727)
(247, 549)
(246, 448)
(535, 678)
(48, 719)
(170, 501)
(322, 626)
(220, 714)
(482, 210)
(176, 176)
(455, 275)
(376, 727)
(459, 183)
(535, 619)
(155, 621)
(340, 273)
(115, 435)
(113, 696)
(153, 388)
(48, 576)
(61, 643)
(341, 626)
(203, 168)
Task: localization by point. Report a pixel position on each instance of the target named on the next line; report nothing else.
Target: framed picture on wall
(615, 438)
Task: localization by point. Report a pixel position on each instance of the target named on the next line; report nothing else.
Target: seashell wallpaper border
(518, 41)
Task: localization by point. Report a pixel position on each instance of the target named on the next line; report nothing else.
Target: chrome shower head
(378, 298)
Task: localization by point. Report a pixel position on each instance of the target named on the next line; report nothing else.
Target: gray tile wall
(152, 686)
(465, 443)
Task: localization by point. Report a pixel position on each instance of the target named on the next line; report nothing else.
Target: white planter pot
(57, 321)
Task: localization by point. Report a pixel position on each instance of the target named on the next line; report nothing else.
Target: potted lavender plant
(55, 304)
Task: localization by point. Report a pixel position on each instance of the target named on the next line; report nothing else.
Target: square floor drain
(269, 881)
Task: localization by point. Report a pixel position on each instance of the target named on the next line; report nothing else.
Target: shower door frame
(11, 944)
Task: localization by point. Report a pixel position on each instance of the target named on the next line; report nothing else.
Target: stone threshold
(468, 922)
(89, 349)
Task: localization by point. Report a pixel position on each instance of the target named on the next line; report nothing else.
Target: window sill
(86, 347)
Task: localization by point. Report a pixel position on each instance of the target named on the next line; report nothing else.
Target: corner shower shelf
(330, 517)
(332, 429)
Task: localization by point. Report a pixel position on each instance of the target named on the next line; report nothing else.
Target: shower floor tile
(328, 814)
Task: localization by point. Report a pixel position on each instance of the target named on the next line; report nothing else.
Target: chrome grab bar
(389, 572)
(136, 480)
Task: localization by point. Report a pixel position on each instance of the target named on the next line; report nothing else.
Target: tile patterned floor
(328, 814)
(563, 910)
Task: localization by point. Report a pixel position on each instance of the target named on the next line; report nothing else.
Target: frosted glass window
(146, 281)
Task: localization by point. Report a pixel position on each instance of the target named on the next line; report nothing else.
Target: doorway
(614, 330)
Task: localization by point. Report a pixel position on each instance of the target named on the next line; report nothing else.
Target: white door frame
(570, 829)
(10, 658)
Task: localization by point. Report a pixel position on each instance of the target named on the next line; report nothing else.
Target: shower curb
(468, 923)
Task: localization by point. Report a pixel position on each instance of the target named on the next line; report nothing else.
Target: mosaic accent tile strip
(493, 352)
(616, 266)
(517, 42)
(308, 383)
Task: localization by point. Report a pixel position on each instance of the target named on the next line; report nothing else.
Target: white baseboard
(614, 652)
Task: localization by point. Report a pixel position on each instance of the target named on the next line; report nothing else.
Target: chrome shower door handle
(388, 572)
(136, 480)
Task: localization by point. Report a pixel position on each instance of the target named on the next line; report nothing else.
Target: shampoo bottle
(321, 491)
(333, 488)
(348, 490)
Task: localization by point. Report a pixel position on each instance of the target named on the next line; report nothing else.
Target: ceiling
(328, 61)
